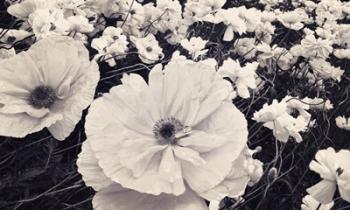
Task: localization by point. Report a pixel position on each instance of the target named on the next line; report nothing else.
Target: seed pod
(272, 174)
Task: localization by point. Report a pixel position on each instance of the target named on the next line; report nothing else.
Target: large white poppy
(47, 86)
(178, 130)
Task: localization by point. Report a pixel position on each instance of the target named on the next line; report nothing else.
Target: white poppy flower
(148, 48)
(111, 195)
(310, 203)
(38, 90)
(342, 122)
(194, 46)
(179, 128)
(334, 169)
(244, 78)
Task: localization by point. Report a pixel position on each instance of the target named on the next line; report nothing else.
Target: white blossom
(333, 167)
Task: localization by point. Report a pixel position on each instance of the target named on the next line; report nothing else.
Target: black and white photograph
(174, 105)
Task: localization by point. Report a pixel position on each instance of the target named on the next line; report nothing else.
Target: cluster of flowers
(176, 140)
(168, 144)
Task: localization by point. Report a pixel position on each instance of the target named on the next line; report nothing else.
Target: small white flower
(294, 19)
(342, 53)
(270, 56)
(212, 4)
(251, 16)
(270, 112)
(168, 15)
(328, 11)
(278, 118)
(318, 103)
(315, 48)
(286, 125)
(195, 11)
(326, 33)
(245, 47)
(148, 48)
(38, 90)
(343, 35)
(111, 45)
(310, 203)
(333, 167)
(80, 24)
(47, 22)
(244, 78)
(269, 3)
(177, 35)
(194, 46)
(234, 22)
(343, 122)
(324, 70)
(24, 9)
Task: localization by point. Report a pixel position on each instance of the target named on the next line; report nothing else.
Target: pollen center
(168, 130)
(42, 97)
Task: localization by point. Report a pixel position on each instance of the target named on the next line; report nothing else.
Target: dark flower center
(149, 49)
(11, 39)
(339, 171)
(42, 97)
(165, 130)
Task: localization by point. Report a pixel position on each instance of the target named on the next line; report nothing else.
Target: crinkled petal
(233, 185)
(19, 75)
(20, 125)
(74, 59)
(202, 142)
(80, 96)
(107, 136)
(91, 172)
(188, 155)
(116, 198)
(323, 191)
